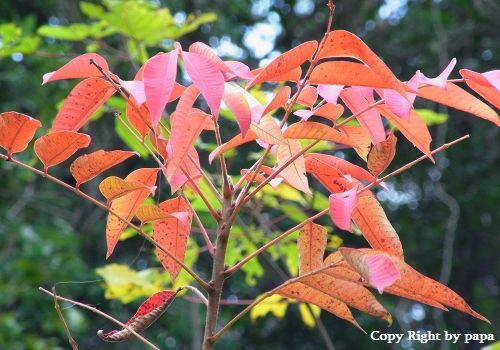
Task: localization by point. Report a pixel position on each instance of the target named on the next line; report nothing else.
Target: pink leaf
(330, 92)
(383, 271)
(234, 98)
(304, 114)
(493, 76)
(239, 70)
(440, 80)
(397, 103)
(207, 77)
(136, 89)
(341, 207)
(159, 79)
(370, 119)
(78, 67)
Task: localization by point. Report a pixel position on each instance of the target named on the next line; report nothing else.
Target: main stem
(218, 276)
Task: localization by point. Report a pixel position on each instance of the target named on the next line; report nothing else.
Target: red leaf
(341, 43)
(414, 129)
(207, 77)
(347, 73)
(127, 205)
(16, 131)
(347, 168)
(482, 85)
(56, 147)
(286, 62)
(233, 143)
(159, 76)
(172, 234)
(78, 67)
(88, 166)
(279, 99)
(85, 98)
(146, 315)
(139, 117)
(308, 96)
(460, 99)
(370, 119)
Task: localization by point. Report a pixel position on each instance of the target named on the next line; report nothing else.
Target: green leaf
(76, 31)
(13, 41)
(432, 118)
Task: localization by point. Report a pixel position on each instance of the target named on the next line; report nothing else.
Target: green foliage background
(447, 215)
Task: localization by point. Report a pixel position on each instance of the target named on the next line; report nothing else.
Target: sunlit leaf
(316, 131)
(488, 88)
(295, 172)
(311, 243)
(347, 73)
(78, 67)
(113, 187)
(268, 131)
(16, 131)
(56, 147)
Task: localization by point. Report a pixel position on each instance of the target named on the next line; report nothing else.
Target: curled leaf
(113, 187)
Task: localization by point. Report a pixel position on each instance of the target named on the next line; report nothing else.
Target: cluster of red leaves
(339, 281)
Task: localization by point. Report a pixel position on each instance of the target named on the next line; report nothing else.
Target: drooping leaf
(139, 117)
(488, 88)
(295, 172)
(159, 76)
(149, 311)
(440, 80)
(16, 131)
(370, 119)
(305, 293)
(185, 130)
(378, 269)
(126, 206)
(316, 131)
(360, 137)
(235, 100)
(311, 244)
(341, 43)
(207, 77)
(347, 73)
(172, 234)
(114, 187)
(286, 62)
(190, 165)
(414, 129)
(233, 143)
(85, 98)
(381, 155)
(268, 131)
(56, 147)
(400, 105)
(460, 99)
(341, 207)
(88, 166)
(370, 218)
(78, 67)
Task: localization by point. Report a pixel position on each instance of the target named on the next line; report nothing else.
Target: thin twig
(71, 340)
(103, 314)
(210, 246)
(197, 292)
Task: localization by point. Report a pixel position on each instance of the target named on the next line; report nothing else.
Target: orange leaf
(292, 75)
(88, 166)
(127, 205)
(460, 99)
(482, 86)
(82, 101)
(329, 111)
(295, 172)
(361, 139)
(268, 131)
(172, 234)
(347, 168)
(151, 212)
(341, 43)
(78, 67)
(347, 73)
(279, 99)
(414, 129)
(113, 187)
(139, 117)
(311, 243)
(305, 293)
(370, 218)
(233, 143)
(185, 131)
(382, 154)
(16, 131)
(308, 96)
(316, 131)
(351, 293)
(286, 62)
(56, 147)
